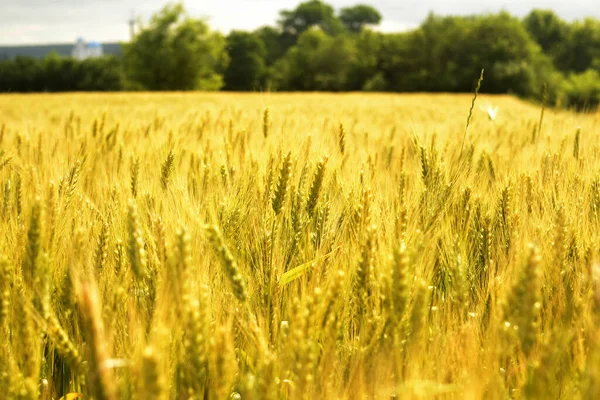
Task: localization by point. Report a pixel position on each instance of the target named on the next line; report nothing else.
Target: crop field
(298, 246)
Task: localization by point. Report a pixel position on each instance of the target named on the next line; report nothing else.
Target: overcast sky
(62, 21)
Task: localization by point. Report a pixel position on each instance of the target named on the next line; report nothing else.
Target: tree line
(314, 47)
(61, 74)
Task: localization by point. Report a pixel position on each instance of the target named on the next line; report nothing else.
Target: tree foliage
(317, 62)
(176, 52)
(271, 39)
(583, 90)
(294, 23)
(247, 68)
(61, 74)
(581, 48)
(357, 17)
(546, 28)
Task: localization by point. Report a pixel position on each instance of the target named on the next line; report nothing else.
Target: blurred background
(549, 54)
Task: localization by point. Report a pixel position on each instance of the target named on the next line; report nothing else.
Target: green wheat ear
(101, 254)
(471, 110)
(153, 387)
(137, 253)
(30, 265)
(399, 281)
(342, 138)
(135, 172)
(576, 143)
(237, 280)
(281, 187)
(266, 122)
(315, 187)
(523, 308)
(100, 378)
(166, 170)
(5, 291)
(537, 131)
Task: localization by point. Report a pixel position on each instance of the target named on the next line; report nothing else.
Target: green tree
(443, 51)
(366, 72)
(28, 73)
(317, 62)
(247, 68)
(54, 73)
(513, 61)
(306, 15)
(582, 91)
(357, 17)
(176, 52)
(60, 74)
(101, 74)
(581, 49)
(401, 62)
(448, 53)
(430, 58)
(271, 38)
(546, 28)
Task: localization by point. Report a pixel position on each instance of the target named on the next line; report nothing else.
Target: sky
(62, 21)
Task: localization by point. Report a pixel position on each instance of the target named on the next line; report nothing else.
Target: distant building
(83, 50)
(60, 49)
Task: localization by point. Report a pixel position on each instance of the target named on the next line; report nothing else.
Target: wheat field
(297, 246)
